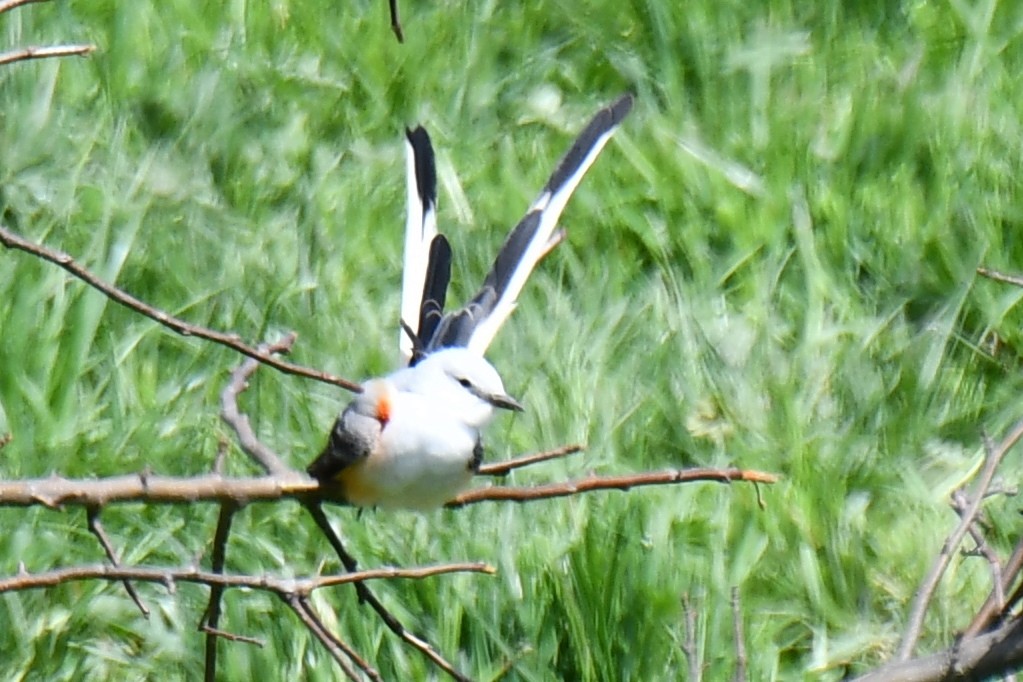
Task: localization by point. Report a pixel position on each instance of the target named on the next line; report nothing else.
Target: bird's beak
(505, 402)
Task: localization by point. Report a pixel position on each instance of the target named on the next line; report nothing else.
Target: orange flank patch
(357, 489)
(384, 409)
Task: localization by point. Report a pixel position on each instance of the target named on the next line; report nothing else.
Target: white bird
(413, 438)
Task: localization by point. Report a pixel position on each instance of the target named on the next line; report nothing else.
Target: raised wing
(475, 325)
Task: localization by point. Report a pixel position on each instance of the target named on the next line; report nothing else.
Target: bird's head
(464, 381)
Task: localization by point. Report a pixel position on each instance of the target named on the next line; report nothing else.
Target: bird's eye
(465, 383)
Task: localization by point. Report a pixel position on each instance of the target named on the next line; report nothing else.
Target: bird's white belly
(425, 467)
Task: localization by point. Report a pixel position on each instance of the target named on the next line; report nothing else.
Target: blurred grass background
(771, 266)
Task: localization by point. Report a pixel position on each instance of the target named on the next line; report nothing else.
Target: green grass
(242, 166)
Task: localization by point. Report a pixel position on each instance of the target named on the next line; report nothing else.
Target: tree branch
(27, 53)
(210, 622)
(8, 5)
(995, 603)
(169, 577)
(594, 483)
(997, 276)
(92, 517)
(983, 657)
(266, 458)
(339, 650)
(506, 467)
(924, 593)
(366, 596)
(56, 492)
(392, 5)
(232, 341)
(689, 649)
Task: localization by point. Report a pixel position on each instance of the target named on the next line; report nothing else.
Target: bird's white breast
(425, 454)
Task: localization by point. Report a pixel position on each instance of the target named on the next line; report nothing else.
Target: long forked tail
(475, 325)
(420, 233)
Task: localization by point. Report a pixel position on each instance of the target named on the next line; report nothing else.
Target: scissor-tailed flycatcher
(413, 438)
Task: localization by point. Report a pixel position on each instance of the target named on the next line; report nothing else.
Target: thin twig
(740, 639)
(269, 460)
(993, 607)
(92, 516)
(997, 276)
(396, 21)
(232, 341)
(211, 619)
(8, 5)
(594, 483)
(56, 492)
(319, 630)
(352, 654)
(926, 590)
(982, 658)
(232, 637)
(960, 503)
(367, 596)
(27, 53)
(170, 576)
(504, 468)
(689, 640)
(223, 445)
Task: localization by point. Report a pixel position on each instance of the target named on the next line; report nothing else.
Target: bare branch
(269, 460)
(211, 619)
(232, 637)
(367, 596)
(352, 654)
(504, 468)
(740, 639)
(689, 641)
(924, 593)
(997, 276)
(171, 576)
(984, 657)
(92, 516)
(961, 503)
(332, 644)
(232, 341)
(8, 5)
(396, 21)
(993, 606)
(594, 483)
(27, 53)
(56, 492)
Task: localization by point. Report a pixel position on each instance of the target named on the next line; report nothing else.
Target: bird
(413, 439)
